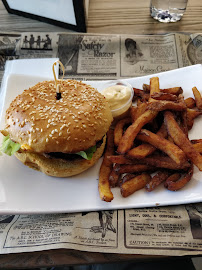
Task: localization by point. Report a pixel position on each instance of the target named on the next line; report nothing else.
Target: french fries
(133, 113)
(127, 177)
(126, 141)
(198, 98)
(160, 161)
(173, 90)
(196, 141)
(105, 170)
(140, 93)
(134, 184)
(130, 134)
(120, 159)
(183, 118)
(173, 151)
(146, 149)
(141, 151)
(118, 132)
(155, 143)
(181, 140)
(164, 96)
(134, 168)
(158, 178)
(157, 161)
(163, 105)
(190, 102)
(175, 182)
(141, 108)
(154, 87)
(146, 88)
(198, 147)
(114, 177)
(191, 115)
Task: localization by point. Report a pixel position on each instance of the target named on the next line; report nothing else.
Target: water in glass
(168, 10)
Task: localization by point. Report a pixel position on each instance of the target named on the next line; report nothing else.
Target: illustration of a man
(25, 42)
(47, 44)
(31, 41)
(105, 220)
(38, 42)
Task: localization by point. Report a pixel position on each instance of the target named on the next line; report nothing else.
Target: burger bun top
(75, 122)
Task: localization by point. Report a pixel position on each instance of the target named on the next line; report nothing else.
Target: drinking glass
(168, 10)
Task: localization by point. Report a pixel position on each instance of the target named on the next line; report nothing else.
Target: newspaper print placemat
(175, 230)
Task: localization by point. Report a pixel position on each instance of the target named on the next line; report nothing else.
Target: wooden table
(114, 16)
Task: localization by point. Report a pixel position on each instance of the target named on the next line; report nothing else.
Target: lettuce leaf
(87, 154)
(9, 147)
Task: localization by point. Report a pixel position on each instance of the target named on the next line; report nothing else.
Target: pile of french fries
(151, 146)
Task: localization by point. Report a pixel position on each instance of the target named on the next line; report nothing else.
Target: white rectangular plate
(23, 190)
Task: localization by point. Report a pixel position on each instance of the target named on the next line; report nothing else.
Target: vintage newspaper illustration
(143, 55)
(94, 56)
(102, 56)
(38, 45)
(175, 230)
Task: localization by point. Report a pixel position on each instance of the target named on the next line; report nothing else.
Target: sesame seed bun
(57, 167)
(43, 124)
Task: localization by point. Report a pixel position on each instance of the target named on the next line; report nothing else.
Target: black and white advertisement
(98, 57)
(147, 55)
(175, 230)
(89, 55)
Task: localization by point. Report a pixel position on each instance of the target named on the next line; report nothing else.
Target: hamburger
(61, 136)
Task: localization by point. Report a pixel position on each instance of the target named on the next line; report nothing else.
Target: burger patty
(67, 156)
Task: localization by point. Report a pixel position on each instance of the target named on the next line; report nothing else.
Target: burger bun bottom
(57, 167)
